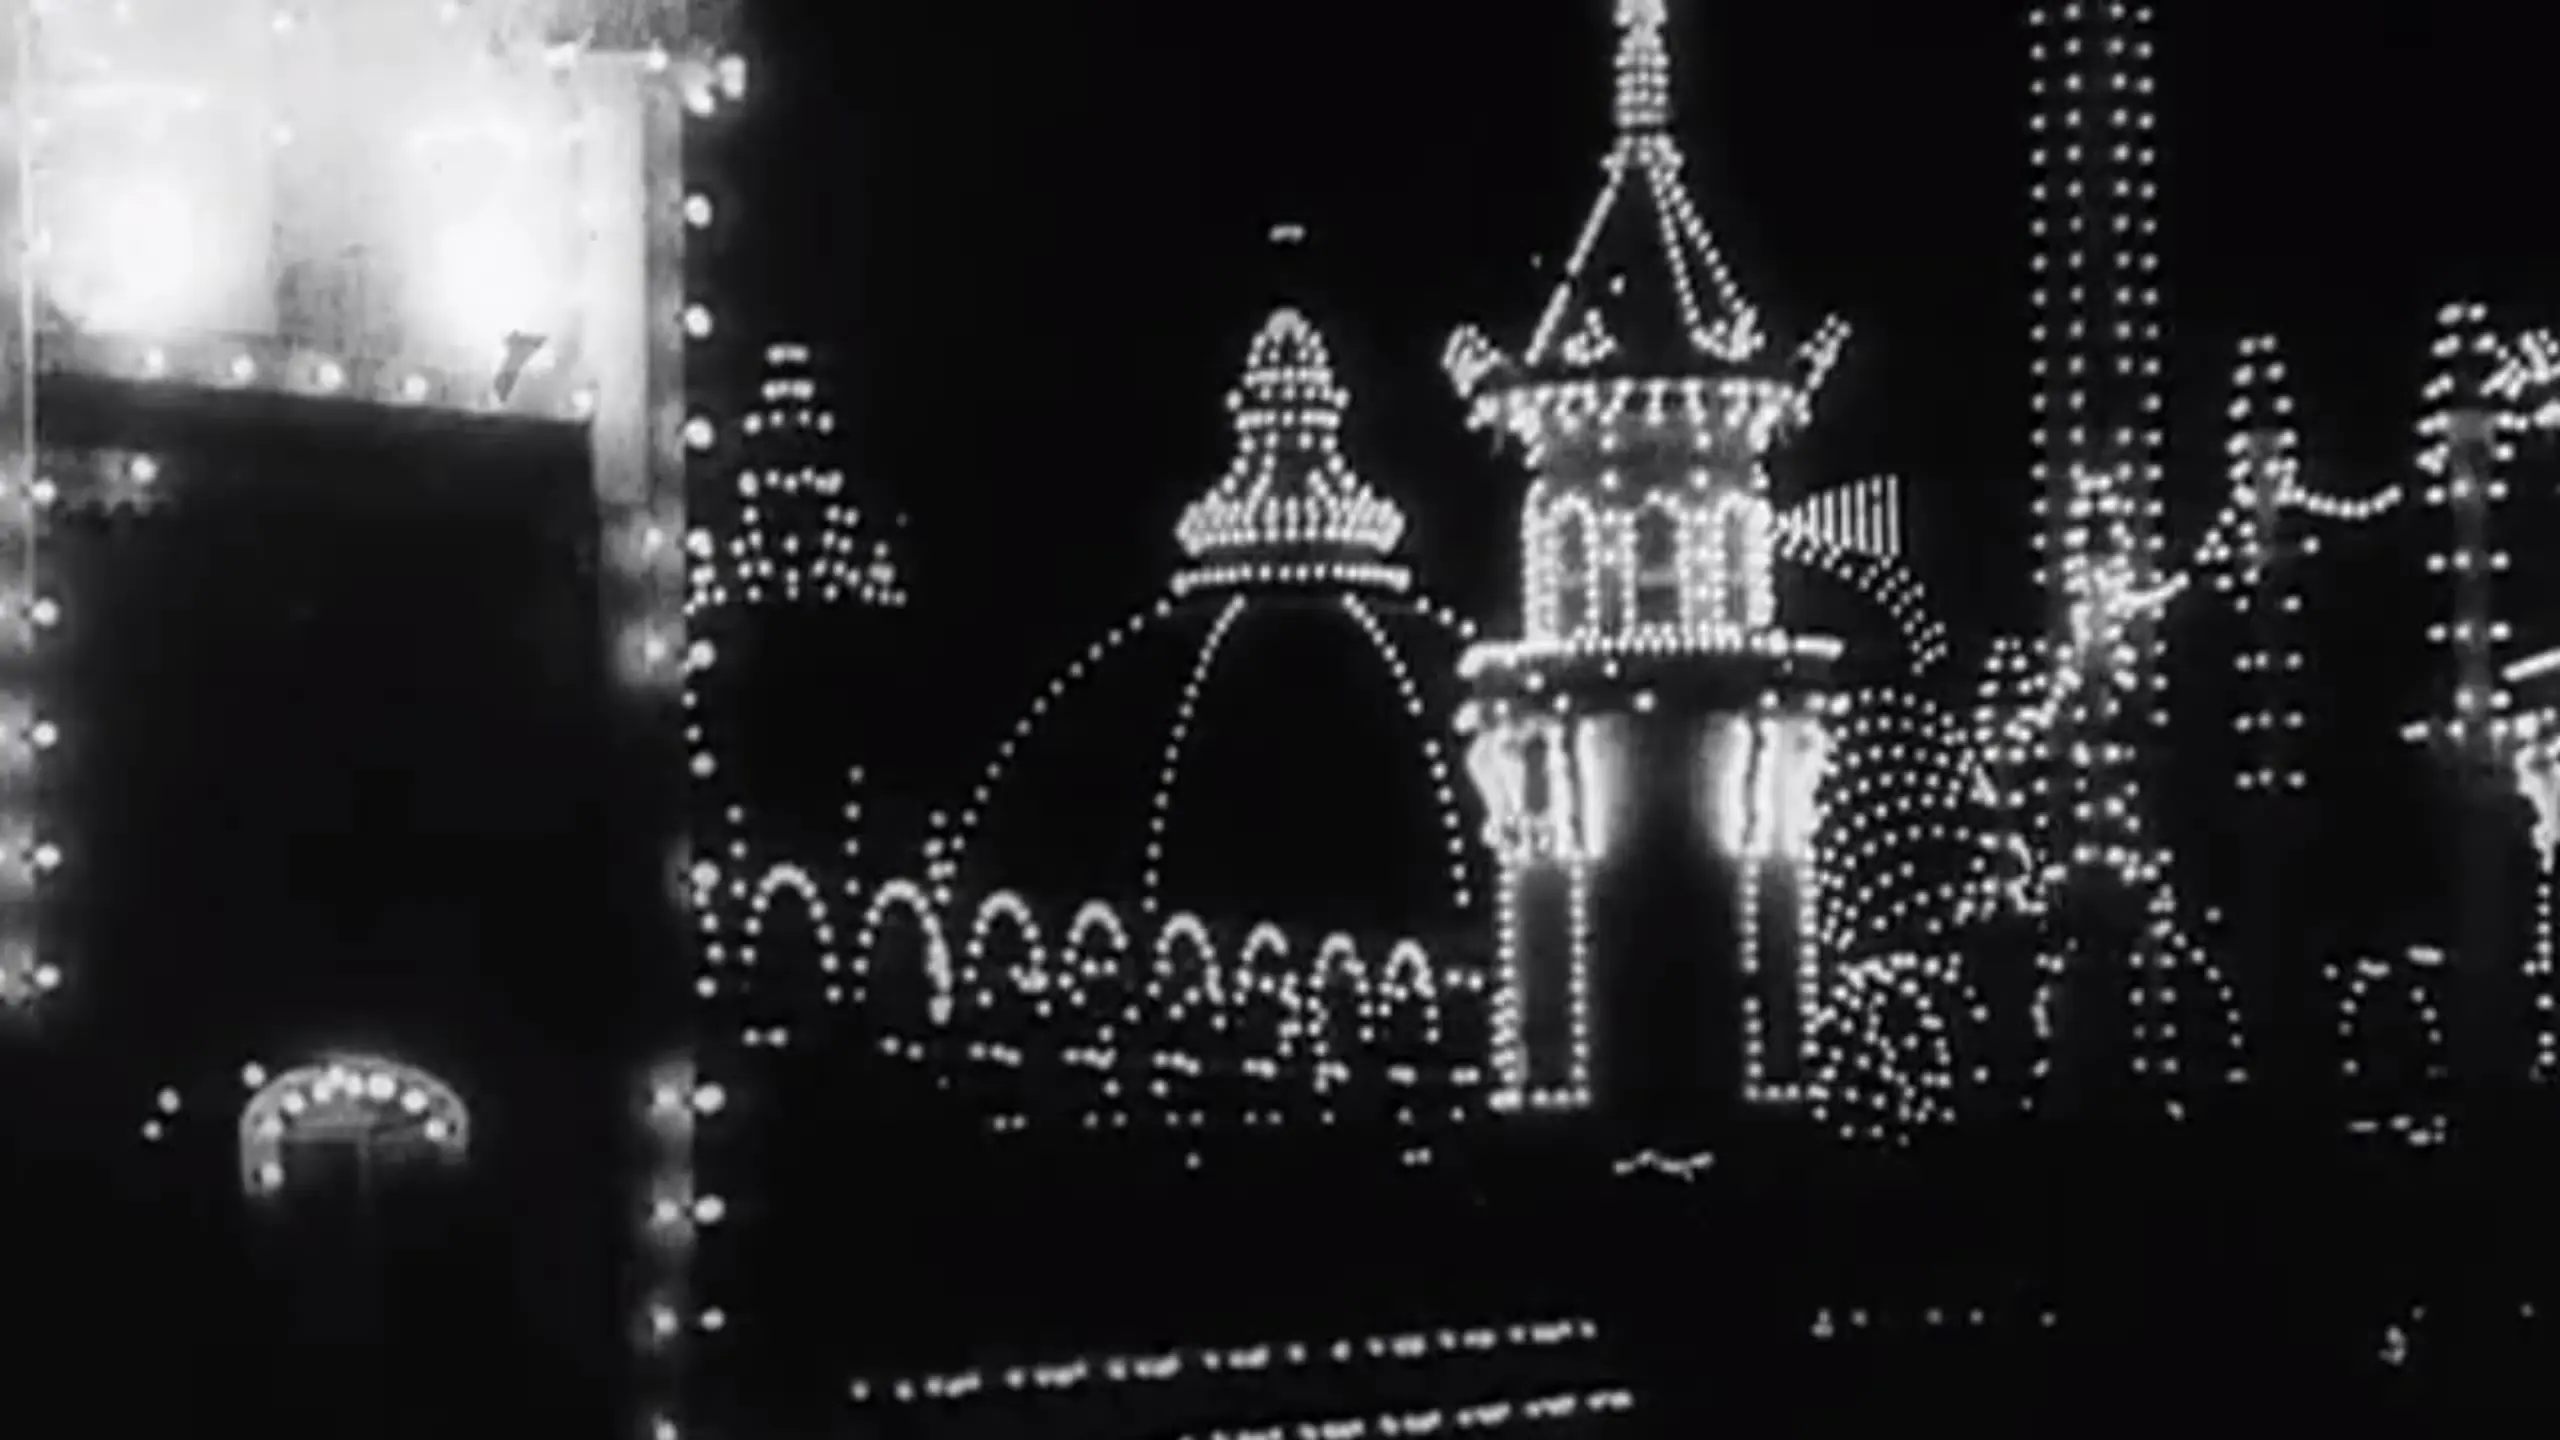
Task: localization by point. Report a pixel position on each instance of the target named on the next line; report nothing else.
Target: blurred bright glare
(131, 256)
(489, 278)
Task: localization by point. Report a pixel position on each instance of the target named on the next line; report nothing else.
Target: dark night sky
(1034, 233)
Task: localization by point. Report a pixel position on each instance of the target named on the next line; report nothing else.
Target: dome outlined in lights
(1287, 539)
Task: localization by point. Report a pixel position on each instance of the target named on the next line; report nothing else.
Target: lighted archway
(361, 1100)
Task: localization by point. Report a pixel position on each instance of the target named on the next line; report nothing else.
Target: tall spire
(1644, 67)
(1646, 292)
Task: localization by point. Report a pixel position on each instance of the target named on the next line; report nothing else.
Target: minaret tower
(1649, 747)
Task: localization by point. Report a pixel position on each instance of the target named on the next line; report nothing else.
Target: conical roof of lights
(1646, 292)
(1289, 507)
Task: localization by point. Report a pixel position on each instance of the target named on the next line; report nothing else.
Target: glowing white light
(488, 281)
(140, 262)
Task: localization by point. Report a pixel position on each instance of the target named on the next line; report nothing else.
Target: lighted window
(1657, 576)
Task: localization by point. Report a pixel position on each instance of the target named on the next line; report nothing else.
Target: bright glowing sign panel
(418, 201)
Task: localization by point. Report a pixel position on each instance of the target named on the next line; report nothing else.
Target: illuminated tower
(1648, 748)
(2098, 439)
(794, 569)
(2467, 435)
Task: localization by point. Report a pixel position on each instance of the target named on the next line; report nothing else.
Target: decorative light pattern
(1169, 769)
(947, 855)
(2247, 562)
(1289, 521)
(2537, 776)
(1888, 1041)
(2465, 434)
(1863, 517)
(1717, 329)
(381, 1107)
(1648, 547)
(2095, 291)
(1546, 789)
(2175, 988)
(2099, 509)
(1912, 844)
(800, 535)
(2389, 1011)
(1123, 1020)
(1861, 547)
(1288, 495)
(1435, 759)
(1917, 860)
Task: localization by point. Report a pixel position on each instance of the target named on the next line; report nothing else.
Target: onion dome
(1289, 507)
(1647, 294)
(1264, 742)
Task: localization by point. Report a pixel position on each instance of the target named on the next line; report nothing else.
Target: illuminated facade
(437, 238)
(1650, 749)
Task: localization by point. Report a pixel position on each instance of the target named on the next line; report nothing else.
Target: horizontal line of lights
(1089, 1372)
(1329, 575)
(1483, 1417)
(267, 363)
(1666, 641)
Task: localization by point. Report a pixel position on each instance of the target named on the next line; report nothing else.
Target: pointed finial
(1643, 67)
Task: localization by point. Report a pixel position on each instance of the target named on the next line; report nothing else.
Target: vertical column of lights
(2098, 436)
(651, 590)
(2462, 433)
(2463, 441)
(2527, 383)
(2537, 775)
(1562, 833)
(1764, 780)
(2097, 407)
(25, 611)
(2263, 587)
